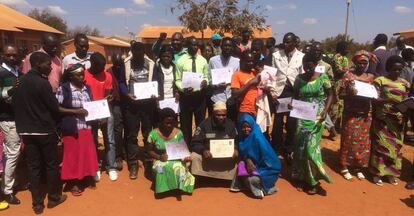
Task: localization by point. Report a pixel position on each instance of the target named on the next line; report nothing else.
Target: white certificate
(192, 80)
(177, 150)
(304, 110)
(145, 90)
(270, 70)
(221, 75)
(283, 105)
(320, 69)
(365, 90)
(222, 148)
(170, 103)
(97, 110)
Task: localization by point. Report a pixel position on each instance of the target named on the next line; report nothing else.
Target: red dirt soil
(134, 197)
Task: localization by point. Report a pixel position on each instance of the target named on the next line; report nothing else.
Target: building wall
(106, 51)
(28, 39)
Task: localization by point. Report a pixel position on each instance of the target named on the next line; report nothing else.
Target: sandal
(345, 173)
(392, 180)
(75, 191)
(360, 176)
(377, 180)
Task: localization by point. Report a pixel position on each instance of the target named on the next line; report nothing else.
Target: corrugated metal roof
(153, 32)
(12, 20)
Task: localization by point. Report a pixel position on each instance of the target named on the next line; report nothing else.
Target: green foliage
(329, 44)
(88, 30)
(219, 15)
(48, 18)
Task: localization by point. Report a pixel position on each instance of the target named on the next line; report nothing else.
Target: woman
(207, 51)
(164, 74)
(169, 174)
(79, 151)
(356, 118)
(387, 124)
(260, 166)
(315, 88)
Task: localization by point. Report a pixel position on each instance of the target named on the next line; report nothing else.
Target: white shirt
(74, 59)
(396, 51)
(286, 70)
(168, 81)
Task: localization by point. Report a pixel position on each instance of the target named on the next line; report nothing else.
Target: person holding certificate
(356, 118)
(311, 87)
(388, 123)
(192, 99)
(260, 167)
(168, 174)
(79, 152)
(139, 114)
(213, 131)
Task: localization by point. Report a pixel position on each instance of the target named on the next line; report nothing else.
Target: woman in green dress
(314, 88)
(387, 123)
(168, 174)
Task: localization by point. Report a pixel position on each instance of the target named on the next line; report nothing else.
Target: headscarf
(365, 55)
(71, 69)
(219, 106)
(256, 147)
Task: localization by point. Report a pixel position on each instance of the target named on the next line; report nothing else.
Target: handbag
(242, 170)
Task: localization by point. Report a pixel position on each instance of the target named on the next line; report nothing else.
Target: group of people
(42, 97)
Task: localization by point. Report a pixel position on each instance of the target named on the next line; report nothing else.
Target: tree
(48, 18)
(88, 30)
(329, 44)
(219, 15)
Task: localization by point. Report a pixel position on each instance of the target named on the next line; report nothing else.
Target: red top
(98, 83)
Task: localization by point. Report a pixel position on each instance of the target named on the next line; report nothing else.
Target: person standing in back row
(81, 54)
(192, 101)
(288, 62)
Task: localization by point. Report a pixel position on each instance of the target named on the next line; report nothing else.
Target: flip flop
(345, 173)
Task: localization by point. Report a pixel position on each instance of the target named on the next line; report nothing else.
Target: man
(101, 84)
(270, 49)
(257, 48)
(245, 40)
(222, 92)
(81, 54)
(215, 127)
(138, 114)
(50, 46)
(216, 41)
(288, 62)
(177, 41)
(36, 111)
(327, 68)
(192, 101)
(9, 81)
(380, 45)
(401, 44)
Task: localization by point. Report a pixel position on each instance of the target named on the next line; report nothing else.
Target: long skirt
(171, 175)
(79, 156)
(355, 140)
(307, 159)
(387, 141)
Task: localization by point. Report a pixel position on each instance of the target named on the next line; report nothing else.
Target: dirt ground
(134, 197)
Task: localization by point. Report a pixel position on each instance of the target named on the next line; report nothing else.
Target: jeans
(11, 150)
(190, 104)
(42, 152)
(107, 129)
(137, 115)
(118, 131)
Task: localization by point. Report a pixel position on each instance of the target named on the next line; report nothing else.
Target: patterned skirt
(355, 139)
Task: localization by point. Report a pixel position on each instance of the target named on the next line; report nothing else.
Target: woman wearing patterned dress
(356, 118)
(387, 123)
(168, 174)
(315, 88)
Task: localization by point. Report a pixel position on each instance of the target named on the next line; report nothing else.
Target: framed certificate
(222, 148)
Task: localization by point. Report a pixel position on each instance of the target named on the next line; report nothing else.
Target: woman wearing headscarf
(311, 87)
(260, 167)
(356, 117)
(387, 123)
(79, 151)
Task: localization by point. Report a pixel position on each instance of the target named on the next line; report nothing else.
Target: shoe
(360, 176)
(4, 205)
(97, 177)
(113, 175)
(377, 180)
(38, 209)
(133, 172)
(11, 199)
(345, 173)
(392, 180)
(52, 204)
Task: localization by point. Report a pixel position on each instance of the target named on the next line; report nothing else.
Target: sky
(309, 19)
